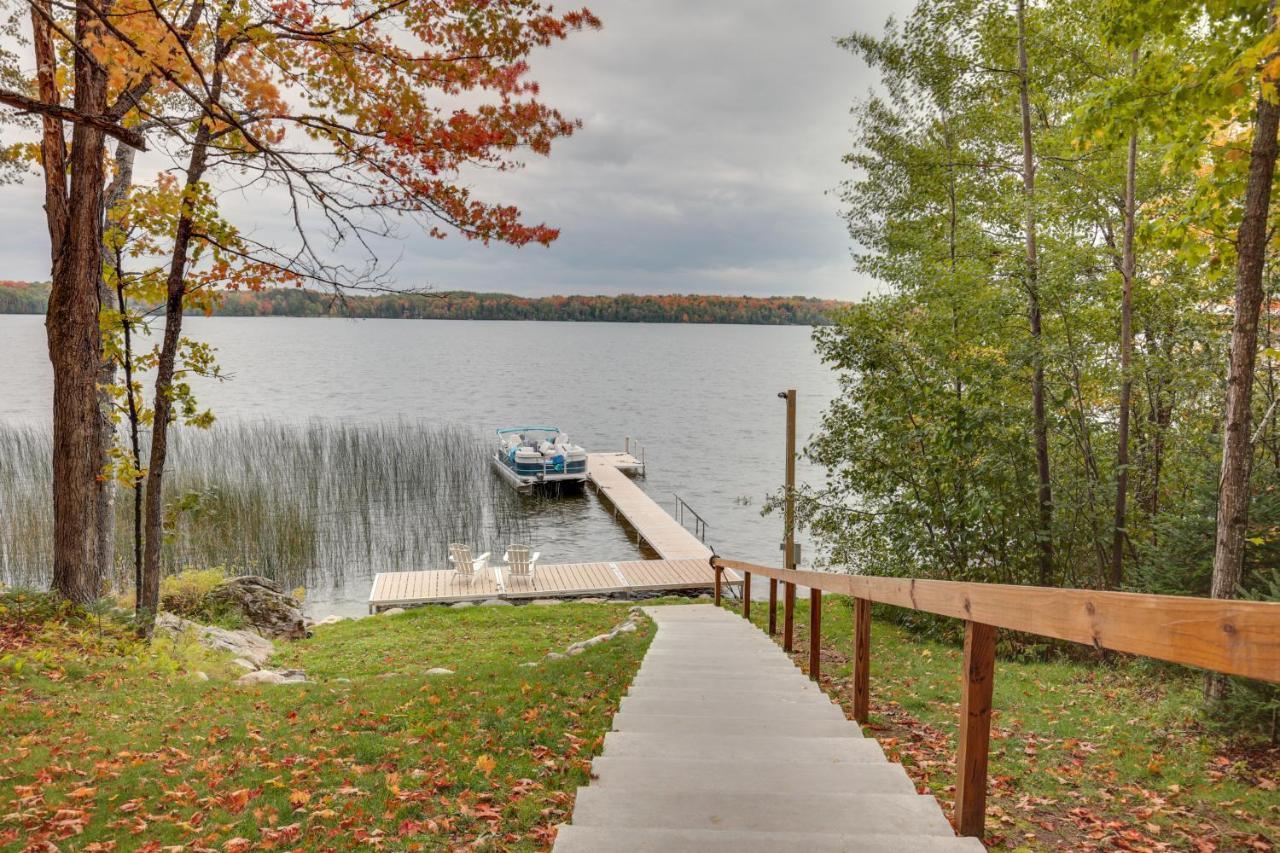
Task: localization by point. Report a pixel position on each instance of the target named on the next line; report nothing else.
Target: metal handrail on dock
(699, 523)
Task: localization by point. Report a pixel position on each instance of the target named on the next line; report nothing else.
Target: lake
(701, 399)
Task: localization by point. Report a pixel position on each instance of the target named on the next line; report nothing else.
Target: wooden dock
(683, 565)
(396, 589)
(652, 524)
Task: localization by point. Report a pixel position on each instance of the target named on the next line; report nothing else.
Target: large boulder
(245, 645)
(261, 603)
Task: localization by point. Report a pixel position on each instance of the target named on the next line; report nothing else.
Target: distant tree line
(30, 298)
(23, 297)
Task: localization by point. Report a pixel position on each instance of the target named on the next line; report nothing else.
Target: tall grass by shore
(306, 504)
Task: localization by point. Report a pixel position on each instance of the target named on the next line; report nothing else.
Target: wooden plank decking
(394, 589)
(684, 564)
(655, 526)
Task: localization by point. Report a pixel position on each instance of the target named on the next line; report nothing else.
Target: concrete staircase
(722, 745)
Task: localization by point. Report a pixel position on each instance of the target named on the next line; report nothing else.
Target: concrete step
(750, 776)
(747, 684)
(676, 688)
(627, 721)
(595, 839)
(851, 814)
(732, 697)
(675, 664)
(723, 747)
(795, 713)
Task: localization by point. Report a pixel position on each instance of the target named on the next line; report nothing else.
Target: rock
(596, 640)
(626, 628)
(260, 602)
(273, 676)
(242, 644)
(496, 602)
(247, 664)
(332, 619)
(439, 670)
(529, 664)
(593, 600)
(571, 651)
(392, 611)
(555, 656)
(544, 602)
(460, 604)
(200, 676)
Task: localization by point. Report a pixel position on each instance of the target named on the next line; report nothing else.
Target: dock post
(789, 521)
(861, 660)
(746, 596)
(773, 607)
(719, 575)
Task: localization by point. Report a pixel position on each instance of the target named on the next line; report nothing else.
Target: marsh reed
(314, 503)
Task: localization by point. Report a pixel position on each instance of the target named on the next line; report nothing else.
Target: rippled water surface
(701, 399)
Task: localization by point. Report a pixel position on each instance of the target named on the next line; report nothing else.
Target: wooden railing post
(788, 614)
(746, 595)
(861, 659)
(975, 728)
(719, 579)
(773, 606)
(815, 633)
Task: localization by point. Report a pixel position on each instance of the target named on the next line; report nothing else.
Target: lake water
(701, 399)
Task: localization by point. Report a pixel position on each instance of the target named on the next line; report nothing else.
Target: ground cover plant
(116, 745)
(1084, 754)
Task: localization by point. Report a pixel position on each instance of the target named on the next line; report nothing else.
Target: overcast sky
(713, 133)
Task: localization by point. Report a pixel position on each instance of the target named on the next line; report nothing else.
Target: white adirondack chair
(520, 563)
(466, 567)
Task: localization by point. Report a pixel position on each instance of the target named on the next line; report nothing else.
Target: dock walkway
(722, 745)
(667, 537)
(683, 565)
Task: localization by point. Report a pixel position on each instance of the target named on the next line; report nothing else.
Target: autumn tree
(353, 113)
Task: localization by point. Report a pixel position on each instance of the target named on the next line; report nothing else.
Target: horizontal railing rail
(1233, 637)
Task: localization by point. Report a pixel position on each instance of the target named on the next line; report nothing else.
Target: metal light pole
(789, 534)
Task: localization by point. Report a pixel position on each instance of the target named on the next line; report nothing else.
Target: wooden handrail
(1234, 637)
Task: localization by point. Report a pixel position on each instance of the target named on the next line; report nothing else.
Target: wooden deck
(683, 565)
(396, 589)
(654, 525)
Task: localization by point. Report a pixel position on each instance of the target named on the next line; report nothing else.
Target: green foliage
(928, 451)
(183, 593)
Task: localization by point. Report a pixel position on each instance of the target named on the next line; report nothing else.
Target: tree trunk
(176, 288)
(1044, 492)
(75, 345)
(1128, 268)
(1237, 450)
(115, 193)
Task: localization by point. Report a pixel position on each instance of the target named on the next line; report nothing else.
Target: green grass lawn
(1083, 755)
(110, 744)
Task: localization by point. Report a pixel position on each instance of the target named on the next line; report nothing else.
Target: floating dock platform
(572, 580)
(683, 565)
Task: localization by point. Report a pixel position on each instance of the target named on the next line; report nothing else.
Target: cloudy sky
(713, 132)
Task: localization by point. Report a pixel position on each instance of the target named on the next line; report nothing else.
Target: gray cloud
(712, 133)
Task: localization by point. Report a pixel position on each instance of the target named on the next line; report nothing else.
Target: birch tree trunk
(1237, 449)
(115, 193)
(1128, 269)
(1044, 491)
